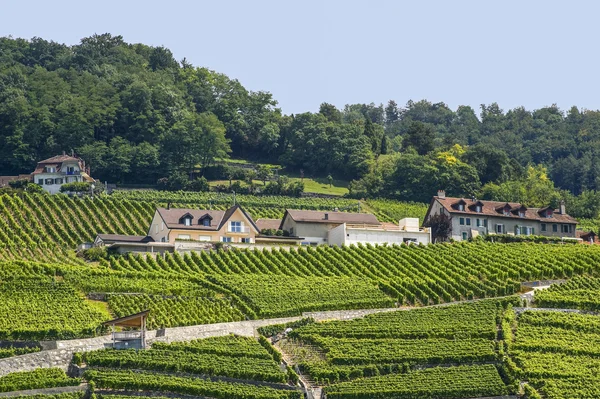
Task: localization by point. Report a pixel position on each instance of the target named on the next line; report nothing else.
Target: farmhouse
(53, 172)
(472, 217)
(231, 226)
(341, 228)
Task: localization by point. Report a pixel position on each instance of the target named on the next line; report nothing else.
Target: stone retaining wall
(59, 353)
(45, 391)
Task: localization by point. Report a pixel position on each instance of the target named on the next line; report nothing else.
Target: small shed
(130, 339)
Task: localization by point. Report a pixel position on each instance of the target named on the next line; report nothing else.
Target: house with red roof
(472, 217)
(53, 172)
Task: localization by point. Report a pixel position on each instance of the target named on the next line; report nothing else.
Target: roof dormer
(504, 209)
(205, 220)
(460, 205)
(186, 219)
(546, 212)
(477, 206)
(520, 210)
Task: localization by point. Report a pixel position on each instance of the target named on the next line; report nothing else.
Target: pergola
(122, 339)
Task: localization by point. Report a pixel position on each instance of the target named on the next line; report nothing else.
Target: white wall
(337, 235)
(355, 236)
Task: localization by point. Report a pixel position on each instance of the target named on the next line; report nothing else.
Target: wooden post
(113, 335)
(144, 332)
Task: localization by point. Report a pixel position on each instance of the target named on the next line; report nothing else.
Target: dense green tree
(420, 136)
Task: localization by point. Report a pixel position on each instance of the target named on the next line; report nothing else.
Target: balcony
(238, 229)
(72, 173)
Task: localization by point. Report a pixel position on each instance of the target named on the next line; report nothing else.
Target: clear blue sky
(305, 52)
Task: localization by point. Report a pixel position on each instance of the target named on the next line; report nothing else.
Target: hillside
(137, 115)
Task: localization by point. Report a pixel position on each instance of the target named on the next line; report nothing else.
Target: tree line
(137, 115)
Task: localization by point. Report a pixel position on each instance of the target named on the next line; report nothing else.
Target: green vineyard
(558, 353)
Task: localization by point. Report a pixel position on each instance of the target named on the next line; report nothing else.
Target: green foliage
(451, 382)
(39, 378)
(250, 368)
(184, 385)
(16, 351)
(557, 353)
(274, 329)
(41, 309)
(75, 187)
(581, 292)
(230, 345)
(172, 311)
(95, 254)
(289, 296)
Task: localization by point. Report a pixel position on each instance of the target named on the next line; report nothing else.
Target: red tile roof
(491, 208)
(332, 217)
(268, 224)
(173, 216)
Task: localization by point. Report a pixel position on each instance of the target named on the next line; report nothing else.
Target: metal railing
(126, 335)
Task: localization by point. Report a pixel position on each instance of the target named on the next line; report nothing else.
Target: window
(206, 222)
(468, 221)
(478, 208)
(564, 228)
(485, 223)
(478, 222)
(506, 212)
(461, 207)
(246, 240)
(204, 238)
(58, 181)
(499, 228)
(554, 228)
(461, 221)
(522, 214)
(464, 235)
(187, 221)
(549, 213)
(235, 227)
(291, 231)
(184, 237)
(544, 227)
(226, 239)
(50, 169)
(49, 181)
(162, 226)
(155, 229)
(41, 182)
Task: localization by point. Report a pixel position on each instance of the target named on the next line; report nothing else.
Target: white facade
(407, 231)
(51, 178)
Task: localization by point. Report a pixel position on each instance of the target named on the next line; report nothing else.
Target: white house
(341, 228)
(53, 172)
(407, 231)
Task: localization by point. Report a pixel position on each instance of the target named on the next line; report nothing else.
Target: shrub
(75, 187)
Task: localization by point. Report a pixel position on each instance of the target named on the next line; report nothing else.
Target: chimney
(64, 153)
(169, 205)
(326, 216)
(441, 194)
(562, 209)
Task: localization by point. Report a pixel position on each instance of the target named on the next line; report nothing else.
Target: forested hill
(136, 114)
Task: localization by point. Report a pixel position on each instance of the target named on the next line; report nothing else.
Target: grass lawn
(317, 185)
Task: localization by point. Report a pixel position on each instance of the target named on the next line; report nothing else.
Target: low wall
(59, 353)
(45, 391)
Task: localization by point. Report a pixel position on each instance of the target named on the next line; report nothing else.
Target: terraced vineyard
(38, 309)
(558, 353)
(409, 274)
(581, 292)
(196, 368)
(383, 355)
